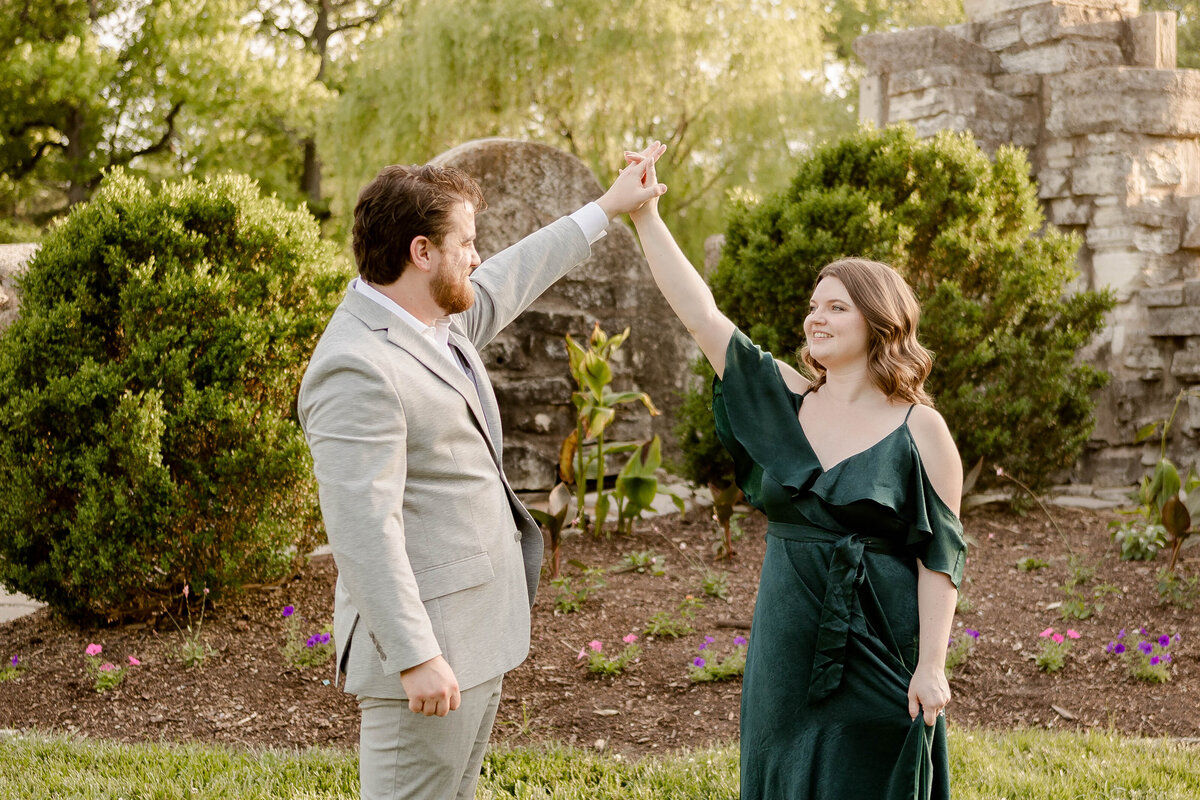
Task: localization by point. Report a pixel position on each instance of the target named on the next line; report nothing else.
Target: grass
(986, 765)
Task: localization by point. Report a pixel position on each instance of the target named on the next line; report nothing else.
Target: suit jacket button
(517, 536)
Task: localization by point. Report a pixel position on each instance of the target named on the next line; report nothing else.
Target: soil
(245, 692)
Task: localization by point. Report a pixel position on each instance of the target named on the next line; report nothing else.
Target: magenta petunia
(596, 645)
(1047, 632)
(1058, 638)
(106, 667)
(630, 638)
(133, 662)
(739, 641)
(94, 650)
(1072, 633)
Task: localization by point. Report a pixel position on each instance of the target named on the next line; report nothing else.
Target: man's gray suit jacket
(435, 554)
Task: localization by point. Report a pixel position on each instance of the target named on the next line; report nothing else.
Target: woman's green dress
(835, 635)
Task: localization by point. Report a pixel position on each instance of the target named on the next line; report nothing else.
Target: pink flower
(94, 650)
(1000, 472)
(1072, 634)
(595, 645)
(133, 662)
(1047, 632)
(582, 653)
(185, 590)
(1058, 638)
(630, 638)
(106, 667)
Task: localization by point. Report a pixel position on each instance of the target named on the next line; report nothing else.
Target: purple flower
(289, 610)
(1164, 640)
(1146, 647)
(14, 661)
(1177, 637)
(1111, 647)
(974, 634)
(1167, 658)
(1154, 661)
(313, 640)
(739, 641)
(698, 661)
(1121, 635)
(1120, 648)
(709, 640)
(703, 646)
(1142, 631)
(324, 638)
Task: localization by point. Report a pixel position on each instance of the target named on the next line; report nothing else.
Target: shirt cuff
(592, 220)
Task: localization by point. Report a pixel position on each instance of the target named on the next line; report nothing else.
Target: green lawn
(1030, 765)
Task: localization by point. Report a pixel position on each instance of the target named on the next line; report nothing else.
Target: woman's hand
(651, 154)
(928, 693)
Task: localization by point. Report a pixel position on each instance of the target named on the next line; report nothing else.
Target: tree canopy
(164, 86)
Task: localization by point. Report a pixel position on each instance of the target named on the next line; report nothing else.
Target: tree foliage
(1000, 309)
(147, 432)
(158, 85)
(734, 89)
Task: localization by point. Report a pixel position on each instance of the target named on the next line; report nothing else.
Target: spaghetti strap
(909, 414)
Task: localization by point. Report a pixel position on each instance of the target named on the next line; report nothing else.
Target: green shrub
(999, 312)
(147, 392)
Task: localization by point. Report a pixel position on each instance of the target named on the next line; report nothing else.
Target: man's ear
(419, 252)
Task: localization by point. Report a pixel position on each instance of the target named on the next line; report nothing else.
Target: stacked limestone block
(1090, 88)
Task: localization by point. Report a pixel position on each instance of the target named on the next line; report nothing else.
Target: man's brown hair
(400, 204)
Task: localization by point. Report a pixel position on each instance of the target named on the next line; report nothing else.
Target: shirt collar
(439, 331)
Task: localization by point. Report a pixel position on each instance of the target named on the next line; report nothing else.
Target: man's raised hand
(635, 185)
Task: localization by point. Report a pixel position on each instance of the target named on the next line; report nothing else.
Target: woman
(845, 688)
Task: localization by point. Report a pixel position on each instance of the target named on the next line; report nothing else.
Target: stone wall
(1090, 88)
(527, 186)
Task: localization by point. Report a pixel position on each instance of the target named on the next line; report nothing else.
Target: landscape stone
(14, 258)
(527, 186)
(1154, 40)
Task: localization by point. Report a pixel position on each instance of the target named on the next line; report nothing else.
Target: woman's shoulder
(939, 455)
(750, 361)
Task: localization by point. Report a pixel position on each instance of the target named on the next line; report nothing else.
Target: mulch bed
(246, 693)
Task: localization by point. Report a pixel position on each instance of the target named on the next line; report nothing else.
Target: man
(437, 560)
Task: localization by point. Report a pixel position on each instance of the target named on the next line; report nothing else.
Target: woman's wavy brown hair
(898, 363)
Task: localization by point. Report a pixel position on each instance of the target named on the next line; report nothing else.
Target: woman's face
(836, 330)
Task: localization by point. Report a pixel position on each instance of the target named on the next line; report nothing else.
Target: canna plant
(584, 452)
(554, 519)
(1167, 499)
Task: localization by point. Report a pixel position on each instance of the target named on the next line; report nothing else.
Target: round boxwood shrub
(147, 392)
(1000, 308)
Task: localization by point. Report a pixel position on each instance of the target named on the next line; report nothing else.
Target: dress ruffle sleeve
(755, 419)
(935, 534)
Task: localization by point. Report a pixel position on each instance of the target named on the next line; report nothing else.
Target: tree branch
(23, 168)
(157, 146)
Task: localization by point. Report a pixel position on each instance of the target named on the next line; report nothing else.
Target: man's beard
(452, 296)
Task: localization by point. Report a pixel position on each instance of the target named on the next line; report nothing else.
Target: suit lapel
(402, 335)
(487, 396)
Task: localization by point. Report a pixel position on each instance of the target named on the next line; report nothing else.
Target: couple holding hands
(438, 561)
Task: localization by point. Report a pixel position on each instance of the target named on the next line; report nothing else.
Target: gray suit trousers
(407, 756)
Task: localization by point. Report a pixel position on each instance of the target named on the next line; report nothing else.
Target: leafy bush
(999, 312)
(147, 431)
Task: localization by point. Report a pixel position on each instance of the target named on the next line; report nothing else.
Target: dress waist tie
(838, 615)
